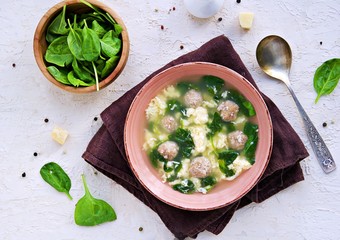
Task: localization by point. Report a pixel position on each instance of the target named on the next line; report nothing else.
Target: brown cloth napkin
(106, 152)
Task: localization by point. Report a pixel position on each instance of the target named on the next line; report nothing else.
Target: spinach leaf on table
(58, 52)
(326, 77)
(59, 74)
(54, 175)
(91, 211)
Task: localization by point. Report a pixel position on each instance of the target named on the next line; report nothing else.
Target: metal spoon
(275, 58)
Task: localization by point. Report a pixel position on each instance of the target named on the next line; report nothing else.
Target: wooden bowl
(225, 192)
(40, 44)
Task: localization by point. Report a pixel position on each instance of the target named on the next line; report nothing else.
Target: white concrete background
(31, 209)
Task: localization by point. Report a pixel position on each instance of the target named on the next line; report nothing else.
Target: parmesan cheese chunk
(246, 20)
(59, 135)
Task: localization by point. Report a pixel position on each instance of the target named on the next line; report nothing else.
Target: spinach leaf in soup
(225, 158)
(224, 168)
(54, 175)
(215, 125)
(174, 106)
(91, 211)
(58, 52)
(184, 87)
(187, 186)
(208, 181)
(326, 77)
(213, 85)
(245, 106)
(184, 140)
(251, 130)
(59, 74)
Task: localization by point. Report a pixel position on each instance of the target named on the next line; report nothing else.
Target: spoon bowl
(274, 57)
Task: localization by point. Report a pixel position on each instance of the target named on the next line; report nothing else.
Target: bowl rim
(176, 203)
(39, 34)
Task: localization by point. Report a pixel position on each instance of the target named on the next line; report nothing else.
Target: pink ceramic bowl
(224, 192)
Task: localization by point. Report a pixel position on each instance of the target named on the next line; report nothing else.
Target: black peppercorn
(324, 124)
(140, 229)
(181, 47)
(162, 27)
(35, 154)
(13, 65)
(46, 120)
(238, 1)
(23, 174)
(219, 19)
(321, 43)
(95, 118)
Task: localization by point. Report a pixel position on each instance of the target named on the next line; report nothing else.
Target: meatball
(228, 110)
(168, 150)
(193, 98)
(200, 167)
(237, 140)
(169, 123)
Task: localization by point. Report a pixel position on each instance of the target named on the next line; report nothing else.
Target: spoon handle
(319, 147)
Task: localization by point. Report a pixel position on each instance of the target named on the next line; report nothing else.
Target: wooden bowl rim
(39, 52)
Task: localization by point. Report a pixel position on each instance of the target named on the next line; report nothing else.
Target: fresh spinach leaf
(77, 82)
(184, 140)
(109, 66)
(110, 44)
(174, 106)
(251, 130)
(91, 211)
(90, 44)
(187, 187)
(59, 25)
(75, 42)
(54, 175)
(58, 52)
(104, 15)
(208, 181)
(117, 27)
(98, 29)
(59, 74)
(50, 37)
(82, 73)
(326, 77)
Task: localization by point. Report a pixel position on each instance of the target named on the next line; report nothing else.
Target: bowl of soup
(198, 136)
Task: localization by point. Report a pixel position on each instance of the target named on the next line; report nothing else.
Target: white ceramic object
(203, 8)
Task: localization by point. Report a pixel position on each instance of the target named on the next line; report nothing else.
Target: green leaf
(110, 45)
(184, 87)
(91, 211)
(225, 169)
(228, 156)
(54, 175)
(107, 16)
(98, 29)
(245, 106)
(251, 130)
(208, 181)
(58, 25)
(58, 53)
(109, 66)
(77, 82)
(184, 140)
(326, 77)
(215, 125)
(75, 42)
(90, 44)
(59, 74)
(185, 188)
(174, 106)
(213, 85)
(81, 73)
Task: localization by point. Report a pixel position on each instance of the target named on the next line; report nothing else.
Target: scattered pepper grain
(35, 154)
(238, 1)
(174, 8)
(13, 65)
(23, 174)
(181, 47)
(95, 118)
(324, 124)
(140, 229)
(162, 27)
(321, 43)
(46, 120)
(219, 19)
